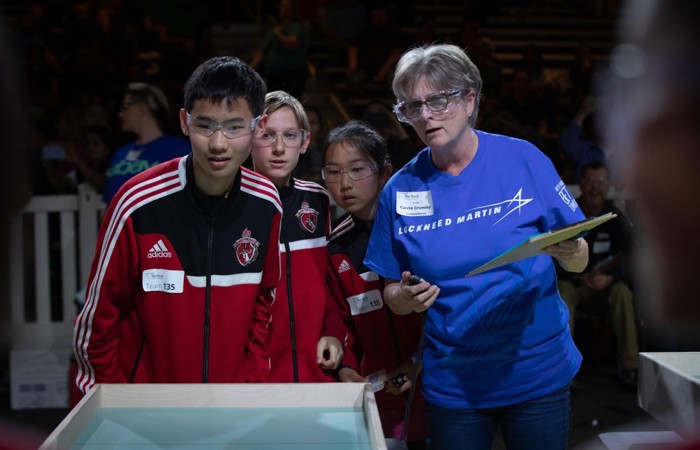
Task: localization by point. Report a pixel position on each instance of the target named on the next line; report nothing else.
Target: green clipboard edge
(533, 245)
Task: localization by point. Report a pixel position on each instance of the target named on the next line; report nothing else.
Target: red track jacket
(378, 339)
(304, 309)
(181, 286)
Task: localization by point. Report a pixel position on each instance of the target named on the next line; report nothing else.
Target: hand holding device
(411, 293)
(399, 380)
(415, 279)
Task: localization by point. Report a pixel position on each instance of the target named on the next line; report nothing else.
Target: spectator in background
(606, 281)
(469, 34)
(533, 64)
(145, 112)
(344, 22)
(83, 161)
(482, 52)
(582, 73)
(427, 32)
(185, 25)
(282, 58)
(96, 113)
(97, 149)
(371, 58)
(521, 111)
(183, 39)
(400, 146)
(580, 140)
(40, 59)
(309, 166)
(525, 102)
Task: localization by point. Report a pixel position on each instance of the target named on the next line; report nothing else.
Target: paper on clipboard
(533, 245)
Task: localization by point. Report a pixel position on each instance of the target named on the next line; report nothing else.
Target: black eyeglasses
(438, 103)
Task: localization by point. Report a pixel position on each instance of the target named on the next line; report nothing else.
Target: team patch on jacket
(247, 248)
(308, 217)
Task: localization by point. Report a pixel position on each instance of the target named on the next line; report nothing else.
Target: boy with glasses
(181, 285)
(306, 329)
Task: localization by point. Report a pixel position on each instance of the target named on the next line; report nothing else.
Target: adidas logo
(159, 250)
(343, 267)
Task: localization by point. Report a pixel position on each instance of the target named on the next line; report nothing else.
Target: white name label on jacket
(419, 203)
(365, 302)
(163, 280)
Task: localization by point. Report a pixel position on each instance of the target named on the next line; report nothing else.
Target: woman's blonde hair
(155, 100)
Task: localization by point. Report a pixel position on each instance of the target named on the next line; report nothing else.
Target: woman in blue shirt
(498, 353)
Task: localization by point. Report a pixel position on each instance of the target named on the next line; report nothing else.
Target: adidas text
(159, 255)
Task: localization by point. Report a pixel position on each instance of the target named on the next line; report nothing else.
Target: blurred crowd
(79, 56)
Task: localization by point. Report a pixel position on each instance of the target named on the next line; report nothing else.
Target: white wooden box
(669, 390)
(265, 416)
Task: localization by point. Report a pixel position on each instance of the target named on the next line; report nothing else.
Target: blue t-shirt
(134, 158)
(500, 337)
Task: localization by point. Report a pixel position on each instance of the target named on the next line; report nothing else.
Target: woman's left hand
(572, 254)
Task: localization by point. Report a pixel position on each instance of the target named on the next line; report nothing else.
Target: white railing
(52, 234)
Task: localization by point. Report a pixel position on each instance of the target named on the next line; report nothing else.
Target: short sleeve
(382, 252)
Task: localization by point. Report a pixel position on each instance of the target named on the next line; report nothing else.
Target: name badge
(163, 280)
(133, 154)
(414, 203)
(365, 302)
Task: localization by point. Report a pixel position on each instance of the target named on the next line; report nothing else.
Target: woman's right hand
(404, 298)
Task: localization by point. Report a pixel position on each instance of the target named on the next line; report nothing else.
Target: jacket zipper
(290, 304)
(207, 303)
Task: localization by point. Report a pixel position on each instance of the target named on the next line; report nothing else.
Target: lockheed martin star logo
(514, 204)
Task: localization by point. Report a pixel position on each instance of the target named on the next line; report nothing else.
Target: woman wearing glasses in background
(145, 113)
(498, 354)
(306, 331)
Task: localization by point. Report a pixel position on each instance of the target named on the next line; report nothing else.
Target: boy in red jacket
(307, 331)
(187, 258)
